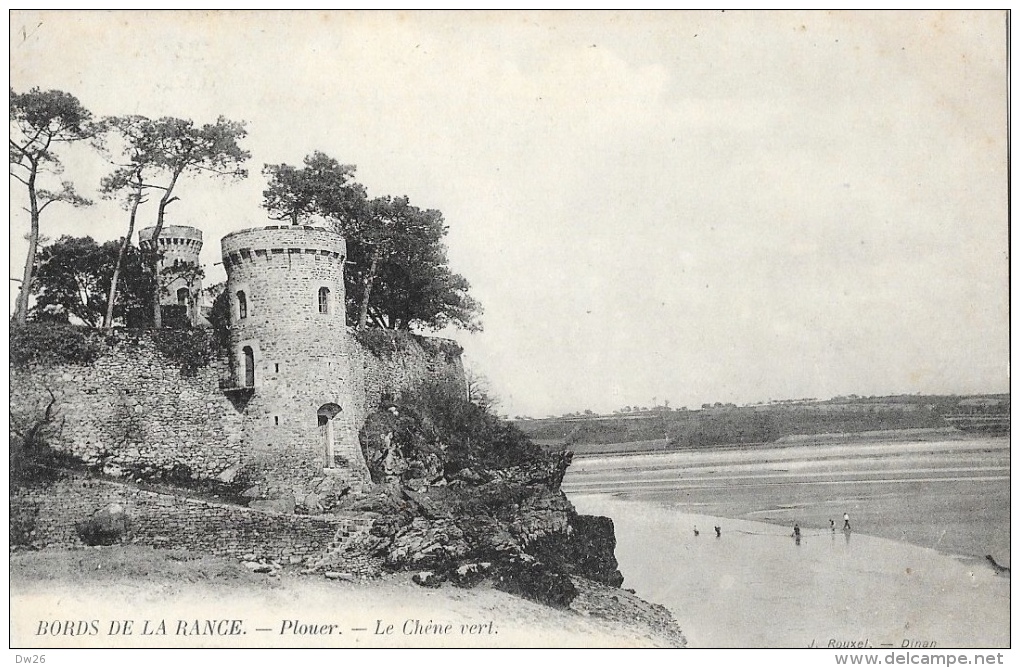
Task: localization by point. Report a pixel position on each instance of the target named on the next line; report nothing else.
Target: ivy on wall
(53, 344)
(386, 343)
(49, 344)
(190, 349)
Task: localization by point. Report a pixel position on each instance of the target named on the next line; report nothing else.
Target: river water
(952, 496)
(910, 573)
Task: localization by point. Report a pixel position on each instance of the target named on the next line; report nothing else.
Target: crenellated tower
(289, 349)
(180, 247)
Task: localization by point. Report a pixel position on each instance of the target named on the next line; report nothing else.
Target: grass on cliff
(471, 434)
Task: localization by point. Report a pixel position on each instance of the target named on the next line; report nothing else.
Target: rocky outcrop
(449, 512)
(587, 550)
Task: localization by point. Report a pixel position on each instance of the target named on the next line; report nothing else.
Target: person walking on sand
(846, 521)
(696, 533)
(832, 525)
(718, 532)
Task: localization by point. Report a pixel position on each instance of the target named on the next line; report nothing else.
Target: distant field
(646, 430)
(663, 446)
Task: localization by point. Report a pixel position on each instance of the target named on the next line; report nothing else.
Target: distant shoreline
(659, 446)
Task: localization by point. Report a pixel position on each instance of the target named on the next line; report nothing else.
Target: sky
(688, 206)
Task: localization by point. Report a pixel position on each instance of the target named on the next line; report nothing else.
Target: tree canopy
(40, 120)
(323, 187)
(414, 286)
(398, 275)
(74, 276)
(175, 147)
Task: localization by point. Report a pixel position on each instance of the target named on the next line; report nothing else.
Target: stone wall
(293, 461)
(407, 364)
(133, 406)
(47, 514)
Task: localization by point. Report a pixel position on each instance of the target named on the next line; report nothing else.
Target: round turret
(180, 247)
(287, 331)
(286, 282)
(176, 241)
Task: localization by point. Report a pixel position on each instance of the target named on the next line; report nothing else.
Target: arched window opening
(327, 431)
(323, 300)
(242, 305)
(182, 297)
(249, 366)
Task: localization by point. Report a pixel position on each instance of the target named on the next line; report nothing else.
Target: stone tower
(289, 351)
(181, 246)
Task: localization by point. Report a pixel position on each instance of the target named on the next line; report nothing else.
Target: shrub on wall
(437, 418)
(54, 343)
(175, 316)
(107, 526)
(435, 347)
(33, 462)
(191, 349)
(384, 343)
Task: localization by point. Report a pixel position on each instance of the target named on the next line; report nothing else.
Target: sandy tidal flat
(755, 587)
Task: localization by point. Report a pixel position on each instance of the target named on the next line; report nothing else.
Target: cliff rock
(481, 506)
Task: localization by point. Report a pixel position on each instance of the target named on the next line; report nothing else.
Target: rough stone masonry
(288, 400)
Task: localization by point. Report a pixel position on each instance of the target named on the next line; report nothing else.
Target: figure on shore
(832, 525)
(718, 532)
(846, 521)
(696, 532)
(796, 533)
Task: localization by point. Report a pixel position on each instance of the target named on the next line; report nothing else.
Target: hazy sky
(697, 207)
